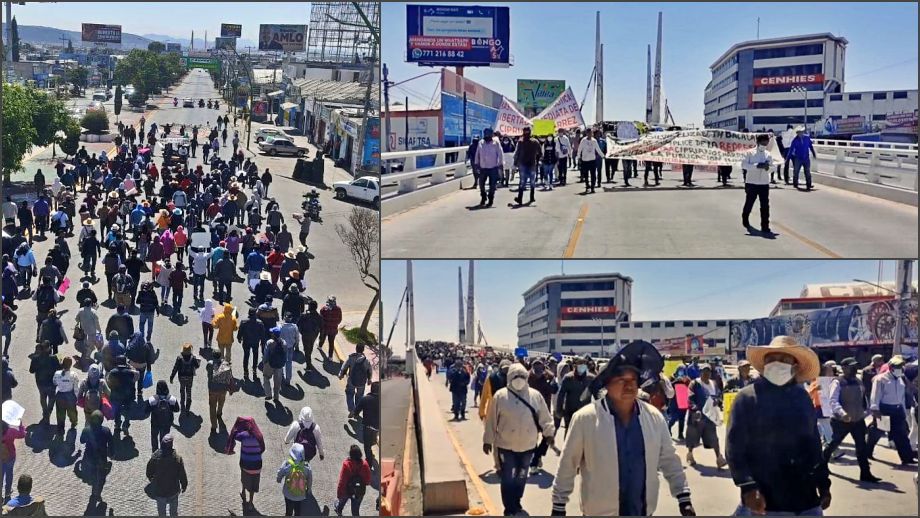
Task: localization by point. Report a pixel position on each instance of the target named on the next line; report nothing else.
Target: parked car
(281, 146)
(95, 105)
(366, 188)
(264, 133)
(188, 103)
(100, 96)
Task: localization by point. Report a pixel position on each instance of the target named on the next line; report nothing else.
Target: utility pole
(367, 108)
(9, 41)
(386, 105)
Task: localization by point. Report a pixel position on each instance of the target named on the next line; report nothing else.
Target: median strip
(576, 231)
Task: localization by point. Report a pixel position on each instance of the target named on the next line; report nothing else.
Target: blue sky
(556, 41)
(177, 19)
(662, 290)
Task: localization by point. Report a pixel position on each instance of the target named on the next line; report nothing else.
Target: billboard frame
(94, 29)
(454, 50)
(225, 33)
(282, 28)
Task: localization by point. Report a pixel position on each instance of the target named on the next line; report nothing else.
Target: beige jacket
(591, 449)
(509, 424)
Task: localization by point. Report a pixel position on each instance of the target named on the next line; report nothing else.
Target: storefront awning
(276, 93)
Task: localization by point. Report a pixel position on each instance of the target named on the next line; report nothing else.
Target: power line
(911, 60)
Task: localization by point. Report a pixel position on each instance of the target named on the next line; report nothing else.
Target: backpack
(296, 480)
(307, 439)
(355, 486)
(187, 368)
(45, 300)
(277, 356)
(224, 376)
(122, 284)
(162, 413)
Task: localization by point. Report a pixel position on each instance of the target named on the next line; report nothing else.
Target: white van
(100, 96)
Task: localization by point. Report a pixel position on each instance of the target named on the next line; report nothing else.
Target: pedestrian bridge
(864, 204)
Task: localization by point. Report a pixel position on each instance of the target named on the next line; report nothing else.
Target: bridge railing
(413, 170)
(882, 163)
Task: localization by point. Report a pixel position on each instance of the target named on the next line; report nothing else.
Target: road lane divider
(576, 231)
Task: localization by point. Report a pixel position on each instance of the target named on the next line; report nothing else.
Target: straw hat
(290, 255)
(88, 222)
(265, 276)
(809, 365)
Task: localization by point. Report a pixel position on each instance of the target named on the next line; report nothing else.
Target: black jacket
(167, 472)
(251, 332)
(773, 445)
(147, 301)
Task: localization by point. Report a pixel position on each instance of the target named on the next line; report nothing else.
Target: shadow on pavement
(292, 392)
(38, 437)
(64, 453)
(252, 387)
(314, 378)
(218, 441)
(278, 414)
(543, 479)
(124, 449)
(189, 424)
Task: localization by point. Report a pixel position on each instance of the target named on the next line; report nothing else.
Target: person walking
(563, 151)
(799, 149)
(43, 365)
(66, 383)
(220, 383)
(9, 434)
(572, 390)
(310, 323)
(24, 504)
(587, 153)
(252, 446)
(306, 432)
(490, 161)
(207, 322)
(507, 428)
(368, 407)
(274, 358)
(290, 336)
(848, 406)
(458, 379)
(251, 335)
(332, 317)
(185, 366)
(148, 306)
(226, 325)
(166, 473)
(704, 417)
(758, 165)
(296, 478)
(527, 156)
(161, 408)
(121, 379)
(620, 443)
(889, 399)
(358, 369)
(94, 393)
(773, 446)
(354, 478)
(97, 450)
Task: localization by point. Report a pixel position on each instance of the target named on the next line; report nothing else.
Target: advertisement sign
(789, 80)
(221, 42)
(259, 108)
(510, 121)
(287, 38)
(564, 111)
(458, 85)
(866, 324)
(537, 94)
(371, 159)
(205, 63)
(707, 147)
(901, 123)
(410, 133)
(672, 346)
(478, 117)
(850, 125)
(590, 310)
(101, 33)
(173, 47)
(231, 30)
(457, 35)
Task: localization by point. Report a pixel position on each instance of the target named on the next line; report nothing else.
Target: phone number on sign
(425, 53)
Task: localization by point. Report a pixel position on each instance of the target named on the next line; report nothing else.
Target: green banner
(205, 63)
(536, 94)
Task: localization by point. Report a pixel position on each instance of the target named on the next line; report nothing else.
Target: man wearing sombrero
(773, 444)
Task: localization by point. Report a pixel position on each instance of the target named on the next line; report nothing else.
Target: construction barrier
(391, 484)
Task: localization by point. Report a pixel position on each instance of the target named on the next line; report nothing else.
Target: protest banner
(682, 395)
(728, 399)
(509, 120)
(544, 128)
(706, 147)
(670, 367)
(564, 111)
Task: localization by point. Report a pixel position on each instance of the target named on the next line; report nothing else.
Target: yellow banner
(670, 367)
(544, 127)
(728, 399)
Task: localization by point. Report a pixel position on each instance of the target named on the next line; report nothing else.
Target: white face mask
(761, 148)
(582, 369)
(518, 384)
(778, 373)
(897, 373)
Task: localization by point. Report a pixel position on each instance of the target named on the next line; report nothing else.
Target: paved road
(214, 477)
(668, 221)
(714, 493)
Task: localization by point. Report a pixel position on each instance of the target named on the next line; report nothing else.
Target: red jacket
(349, 468)
(332, 317)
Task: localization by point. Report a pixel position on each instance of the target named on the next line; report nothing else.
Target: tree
(156, 46)
(49, 116)
(14, 35)
(361, 238)
(18, 132)
(140, 68)
(79, 76)
(137, 99)
(118, 98)
(95, 122)
(71, 141)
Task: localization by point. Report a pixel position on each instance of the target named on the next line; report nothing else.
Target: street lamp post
(603, 347)
(802, 90)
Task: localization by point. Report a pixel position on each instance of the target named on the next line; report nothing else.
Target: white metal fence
(882, 163)
(449, 163)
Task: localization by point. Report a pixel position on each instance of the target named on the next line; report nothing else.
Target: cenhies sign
(789, 80)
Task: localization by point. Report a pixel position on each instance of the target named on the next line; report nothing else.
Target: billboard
(286, 38)
(371, 158)
(173, 47)
(478, 118)
(221, 42)
(414, 132)
(101, 33)
(589, 310)
(205, 63)
(231, 30)
(905, 123)
(867, 324)
(534, 95)
(457, 35)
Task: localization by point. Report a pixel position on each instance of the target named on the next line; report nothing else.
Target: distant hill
(52, 36)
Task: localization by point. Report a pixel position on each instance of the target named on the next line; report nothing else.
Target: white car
(188, 103)
(366, 188)
(264, 133)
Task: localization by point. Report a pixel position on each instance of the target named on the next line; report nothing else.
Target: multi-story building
(574, 313)
(766, 83)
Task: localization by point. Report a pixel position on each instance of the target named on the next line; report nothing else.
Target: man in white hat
(773, 445)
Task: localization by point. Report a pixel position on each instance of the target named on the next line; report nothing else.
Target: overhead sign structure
(458, 35)
(101, 33)
(231, 30)
(286, 38)
(221, 42)
(205, 63)
(537, 94)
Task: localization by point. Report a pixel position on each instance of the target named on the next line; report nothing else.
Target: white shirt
(65, 381)
(563, 146)
(10, 210)
(588, 150)
(755, 175)
(888, 390)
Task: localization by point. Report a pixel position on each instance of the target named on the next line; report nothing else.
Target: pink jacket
(9, 438)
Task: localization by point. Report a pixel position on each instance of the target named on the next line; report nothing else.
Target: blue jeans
(120, 410)
(492, 176)
(355, 504)
(548, 170)
(527, 174)
(289, 365)
(8, 476)
(744, 511)
(513, 472)
(352, 395)
(164, 292)
(146, 319)
(798, 164)
(171, 501)
(458, 405)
